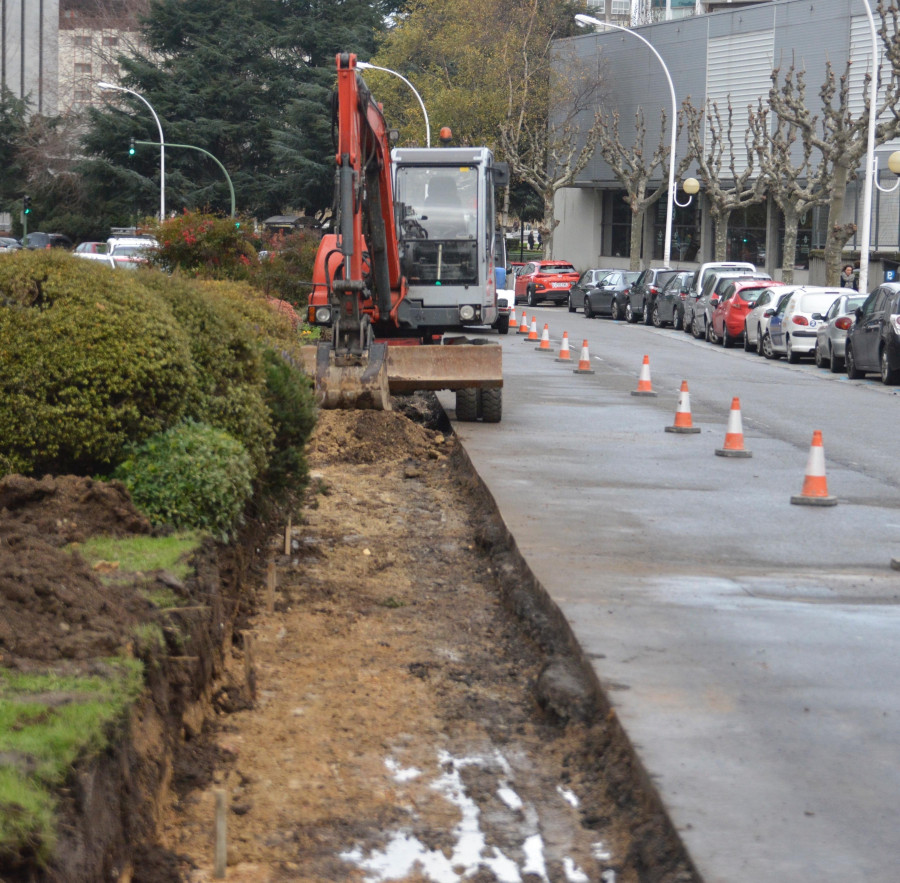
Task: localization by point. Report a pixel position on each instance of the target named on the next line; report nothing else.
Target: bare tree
(635, 172)
(795, 186)
(547, 148)
(726, 188)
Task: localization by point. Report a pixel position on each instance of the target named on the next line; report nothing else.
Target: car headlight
(467, 312)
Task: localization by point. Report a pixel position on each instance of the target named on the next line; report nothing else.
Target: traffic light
(237, 225)
(131, 148)
(26, 205)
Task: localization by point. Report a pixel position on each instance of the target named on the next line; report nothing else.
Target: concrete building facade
(29, 64)
(728, 54)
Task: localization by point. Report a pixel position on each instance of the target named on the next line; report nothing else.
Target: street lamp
(364, 65)
(162, 144)
(894, 166)
(865, 235)
(670, 199)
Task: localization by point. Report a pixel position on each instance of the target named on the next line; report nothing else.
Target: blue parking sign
(890, 275)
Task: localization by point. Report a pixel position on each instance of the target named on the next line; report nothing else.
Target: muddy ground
(410, 708)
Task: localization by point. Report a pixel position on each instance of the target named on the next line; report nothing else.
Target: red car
(730, 314)
(545, 280)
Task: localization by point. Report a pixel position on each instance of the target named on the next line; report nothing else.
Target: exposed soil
(411, 706)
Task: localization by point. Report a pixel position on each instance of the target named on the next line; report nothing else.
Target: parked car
(873, 343)
(93, 251)
(545, 280)
(792, 327)
(757, 322)
(714, 266)
(713, 276)
(47, 240)
(668, 306)
(589, 279)
(610, 294)
(130, 253)
(646, 287)
(713, 288)
(9, 243)
(831, 333)
(738, 298)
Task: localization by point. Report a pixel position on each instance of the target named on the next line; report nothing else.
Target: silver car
(757, 320)
(831, 334)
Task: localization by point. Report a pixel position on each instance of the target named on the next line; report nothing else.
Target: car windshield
(815, 303)
(751, 295)
(130, 250)
(556, 268)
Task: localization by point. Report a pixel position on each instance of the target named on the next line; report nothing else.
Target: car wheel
(532, 296)
(888, 374)
(792, 357)
(726, 338)
(588, 312)
(835, 363)
(695, 329)
(817, 355)
(710, 335)
(748, 347)
(852, 371)
(648, 314)
(677, 320)
(655, 318)
(760, 351)
(571, 305)
(767, 349)
(629, 314)
(615, 312)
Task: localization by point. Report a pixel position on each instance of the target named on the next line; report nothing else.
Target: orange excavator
(409, 267)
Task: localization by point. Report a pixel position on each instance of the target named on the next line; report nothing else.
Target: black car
(588, 281)
(648, 285)
(611, 294)
(47, 240)
(873, 343)
(668, 306)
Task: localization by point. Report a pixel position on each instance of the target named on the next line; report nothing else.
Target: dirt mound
(54, 606)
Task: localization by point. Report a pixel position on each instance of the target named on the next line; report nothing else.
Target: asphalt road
(751, 647)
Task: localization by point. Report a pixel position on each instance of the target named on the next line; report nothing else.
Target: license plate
(560, 284)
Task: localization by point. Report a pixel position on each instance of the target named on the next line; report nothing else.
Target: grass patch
(48, 722)
(141, 554)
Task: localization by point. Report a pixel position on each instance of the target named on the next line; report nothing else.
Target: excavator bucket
(352, 382)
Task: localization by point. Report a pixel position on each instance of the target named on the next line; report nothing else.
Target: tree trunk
(551, 223)
(637, 229)
(791, 222)
(721, 246)
(838, 234)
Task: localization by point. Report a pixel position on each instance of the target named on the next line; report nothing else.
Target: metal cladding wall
(29, 36)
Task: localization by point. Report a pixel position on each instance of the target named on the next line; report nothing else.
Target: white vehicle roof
(146, 241)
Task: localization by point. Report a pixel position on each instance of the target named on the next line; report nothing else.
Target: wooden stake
(221, 836)
(287, 537)
(249, 667)
(271, 580)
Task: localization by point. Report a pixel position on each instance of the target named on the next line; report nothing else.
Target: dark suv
(47, 240)
(873, 343)
(640, 299)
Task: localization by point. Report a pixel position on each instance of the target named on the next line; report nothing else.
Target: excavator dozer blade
(457, 366)
(359, 383)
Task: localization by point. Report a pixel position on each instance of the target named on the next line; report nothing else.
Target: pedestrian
(531, 239)
(847, 277)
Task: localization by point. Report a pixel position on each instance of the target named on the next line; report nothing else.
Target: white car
(129, 252)
(757, 322)
(831, 334)
(794, 324)
(93, 251)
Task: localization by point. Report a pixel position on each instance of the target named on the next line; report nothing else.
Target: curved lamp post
(213, 158)
(894, 166)
(589, 20)
(865, 234)
(162, 144)
(364, 65)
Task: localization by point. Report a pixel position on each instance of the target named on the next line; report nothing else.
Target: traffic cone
(734, 434)
(523, 328)
(644, 387)
(564, 354)
(545, 340)
(584, 363)
(815, 486)
(512, 316)
(532, 333)
(683, 423)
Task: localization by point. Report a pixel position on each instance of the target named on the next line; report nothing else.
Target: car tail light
(800, 320)
(844, 323)
(653, 289)
(895, 323)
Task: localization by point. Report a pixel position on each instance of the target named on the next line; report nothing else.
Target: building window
(83, 96)
(82, 41)
(621, 7)
(110, 71)
(747, 235)
(82, 68)
(685, 230)
(598, 5)
(110, 40)
(620, 226)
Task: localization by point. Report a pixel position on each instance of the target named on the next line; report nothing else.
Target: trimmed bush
(190, 476)
(90, 361)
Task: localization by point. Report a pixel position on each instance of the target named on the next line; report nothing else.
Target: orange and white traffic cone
(815, 486)
(532, 332)
(523, 328)
(545, 340)
(734, 434)
(512, 316)
(564, 354)
(683, 423)
(644, 387)
(584, 363)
